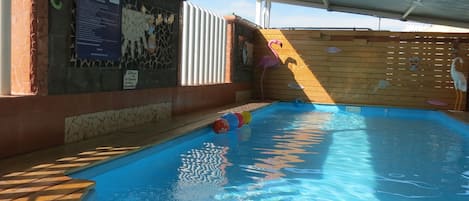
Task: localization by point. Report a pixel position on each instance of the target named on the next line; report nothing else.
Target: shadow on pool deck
(41, 175)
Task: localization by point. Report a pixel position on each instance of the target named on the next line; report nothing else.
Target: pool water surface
(301, 152)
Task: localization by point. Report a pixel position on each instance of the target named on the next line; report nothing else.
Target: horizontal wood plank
(348, 66)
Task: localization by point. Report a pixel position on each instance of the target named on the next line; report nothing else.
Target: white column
(268, 6)
(5, 47)
(258, 11)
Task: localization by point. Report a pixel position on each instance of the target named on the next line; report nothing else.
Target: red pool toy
(240, 119)
(220, 126)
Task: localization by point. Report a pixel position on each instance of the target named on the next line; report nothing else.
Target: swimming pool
(307, 152)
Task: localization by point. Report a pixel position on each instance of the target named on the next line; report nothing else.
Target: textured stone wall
(90, 125)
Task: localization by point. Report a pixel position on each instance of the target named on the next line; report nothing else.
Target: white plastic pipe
(5, 47)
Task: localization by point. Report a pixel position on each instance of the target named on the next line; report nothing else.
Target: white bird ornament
(460, 83)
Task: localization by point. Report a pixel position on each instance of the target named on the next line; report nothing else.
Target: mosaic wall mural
(149, 45)
(148, 33)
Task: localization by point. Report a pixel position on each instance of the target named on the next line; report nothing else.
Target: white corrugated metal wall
(203, 47)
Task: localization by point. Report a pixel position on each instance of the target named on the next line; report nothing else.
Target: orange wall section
(29, 47)
(21, 61)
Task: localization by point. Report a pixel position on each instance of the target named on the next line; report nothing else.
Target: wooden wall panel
(365, 59)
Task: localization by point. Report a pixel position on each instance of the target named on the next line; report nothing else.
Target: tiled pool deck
(41, 175)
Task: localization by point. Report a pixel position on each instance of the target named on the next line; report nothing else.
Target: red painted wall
(189, 99)
(29, 123)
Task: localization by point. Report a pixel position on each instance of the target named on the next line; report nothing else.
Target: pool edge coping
(185, 128)
(154, 143)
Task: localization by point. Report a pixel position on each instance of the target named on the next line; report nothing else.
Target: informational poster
(98, 29)
(130, 79)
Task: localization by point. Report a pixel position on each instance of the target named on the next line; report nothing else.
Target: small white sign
(130, 79)
(115, 1)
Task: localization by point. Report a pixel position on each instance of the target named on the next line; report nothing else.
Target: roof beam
(377, 13)
(392, 15)
(302, 3)
(414, 5)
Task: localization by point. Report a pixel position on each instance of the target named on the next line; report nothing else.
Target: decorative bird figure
(268, 61)
(460, 83)
(170, 19)
(159, 19)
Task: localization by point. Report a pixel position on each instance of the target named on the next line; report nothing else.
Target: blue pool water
(306, 152)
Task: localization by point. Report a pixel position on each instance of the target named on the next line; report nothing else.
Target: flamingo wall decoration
(269, 62)
(460, 83)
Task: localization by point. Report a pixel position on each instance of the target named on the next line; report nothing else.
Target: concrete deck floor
(42, 175)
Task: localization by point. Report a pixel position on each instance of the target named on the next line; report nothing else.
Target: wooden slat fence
(368, 67)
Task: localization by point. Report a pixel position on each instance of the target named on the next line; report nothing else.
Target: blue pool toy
(232, 120)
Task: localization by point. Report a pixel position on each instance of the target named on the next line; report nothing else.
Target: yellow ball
(246, 117)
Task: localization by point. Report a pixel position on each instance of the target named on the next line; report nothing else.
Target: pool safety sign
(130, 79)
(98, 29)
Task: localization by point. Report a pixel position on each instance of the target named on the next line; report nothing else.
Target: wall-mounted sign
(98, 29)
(130, 79)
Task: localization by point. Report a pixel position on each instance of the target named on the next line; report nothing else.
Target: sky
(284, 15)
